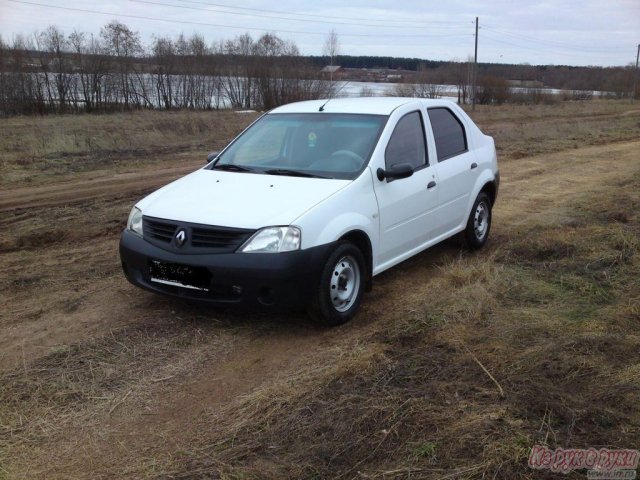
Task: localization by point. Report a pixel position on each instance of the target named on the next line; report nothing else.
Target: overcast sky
(587, 32)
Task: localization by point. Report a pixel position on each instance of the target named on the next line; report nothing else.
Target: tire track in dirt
(89, 189)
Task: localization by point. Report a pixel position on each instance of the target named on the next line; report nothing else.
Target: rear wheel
(479, 222)
(338, 296)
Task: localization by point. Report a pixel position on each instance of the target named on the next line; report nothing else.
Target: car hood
(241, 200)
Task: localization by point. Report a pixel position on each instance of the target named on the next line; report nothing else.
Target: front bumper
(275, 280)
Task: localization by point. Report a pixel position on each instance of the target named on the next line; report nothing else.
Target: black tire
(479, 222)
(344, 272)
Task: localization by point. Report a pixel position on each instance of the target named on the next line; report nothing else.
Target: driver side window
(407, 143)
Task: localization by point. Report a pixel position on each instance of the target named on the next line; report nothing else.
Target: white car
(312, 201)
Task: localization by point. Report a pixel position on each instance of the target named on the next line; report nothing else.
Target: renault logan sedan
(312, 201)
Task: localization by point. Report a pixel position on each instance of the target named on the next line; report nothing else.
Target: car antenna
(321, 109)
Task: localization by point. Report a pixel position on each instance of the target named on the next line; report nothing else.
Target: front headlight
(135, 221)
(273, 240)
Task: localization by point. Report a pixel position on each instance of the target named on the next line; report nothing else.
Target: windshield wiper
(229, 167)
(292, 173)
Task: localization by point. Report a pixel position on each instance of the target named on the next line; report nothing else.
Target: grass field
(456, 366)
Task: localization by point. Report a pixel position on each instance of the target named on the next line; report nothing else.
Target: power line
(311, 15)
(553, 43)
(258, 15)
(586, 53)
(205, 24)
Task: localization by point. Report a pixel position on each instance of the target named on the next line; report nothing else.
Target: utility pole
(475, 71)
(635, 76)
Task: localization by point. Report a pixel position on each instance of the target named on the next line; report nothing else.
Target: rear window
(449, 133)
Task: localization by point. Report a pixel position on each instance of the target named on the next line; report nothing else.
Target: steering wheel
(355, 159)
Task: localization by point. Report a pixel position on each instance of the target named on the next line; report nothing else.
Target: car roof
(364, 105)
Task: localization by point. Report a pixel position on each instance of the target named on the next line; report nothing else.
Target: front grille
(215, 237)
(162, 231)
(200, 238)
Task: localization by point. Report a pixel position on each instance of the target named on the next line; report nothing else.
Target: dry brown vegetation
(36, 148)
(101, 380)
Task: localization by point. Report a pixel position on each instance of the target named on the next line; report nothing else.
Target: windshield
(327, 145)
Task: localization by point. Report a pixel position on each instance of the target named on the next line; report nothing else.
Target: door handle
(474, 165)
(431, 184)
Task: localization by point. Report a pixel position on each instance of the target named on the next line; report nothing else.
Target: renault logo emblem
(181, 237)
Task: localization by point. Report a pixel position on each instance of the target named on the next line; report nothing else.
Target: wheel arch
(491, 190)
(486, 182)
(361, 240)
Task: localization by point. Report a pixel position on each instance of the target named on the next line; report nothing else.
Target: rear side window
(448, 132)
(407, 143)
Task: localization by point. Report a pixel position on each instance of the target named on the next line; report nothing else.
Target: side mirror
(399, 170)
(212, 156)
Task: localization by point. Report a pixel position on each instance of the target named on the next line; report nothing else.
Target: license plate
(177, 275)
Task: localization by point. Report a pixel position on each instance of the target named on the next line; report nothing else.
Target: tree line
(54, 72)
(51, 71)
(618, 80)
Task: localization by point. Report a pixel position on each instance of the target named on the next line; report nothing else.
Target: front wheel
(338, 296)
(479, 222)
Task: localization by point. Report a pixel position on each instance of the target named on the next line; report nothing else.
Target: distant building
(334, 72)
(331, 69)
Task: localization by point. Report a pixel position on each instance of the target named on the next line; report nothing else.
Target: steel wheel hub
(345, 283)
(481, 220)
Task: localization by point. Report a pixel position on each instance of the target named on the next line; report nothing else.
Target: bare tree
(459, 73)
(21, 92)
(56, 67)
(124, 44)
(91, 66)
(164, 54)
(331, 49)
(238, 83)
(207, 90)
(331, 46)
(200, 73)
(280, 74)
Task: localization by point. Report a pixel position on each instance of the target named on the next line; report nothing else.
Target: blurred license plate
(177, 275)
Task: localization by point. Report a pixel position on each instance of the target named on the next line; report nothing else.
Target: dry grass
(525, 130)
(36, 148)
(572, 110)
(456, 366)
(549, 319)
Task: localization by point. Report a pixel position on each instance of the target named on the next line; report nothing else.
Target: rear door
(407, 206)
(456, 167)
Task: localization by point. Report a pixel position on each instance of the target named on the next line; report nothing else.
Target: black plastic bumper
(275, 280)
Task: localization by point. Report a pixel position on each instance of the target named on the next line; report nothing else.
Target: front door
(407, 206)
